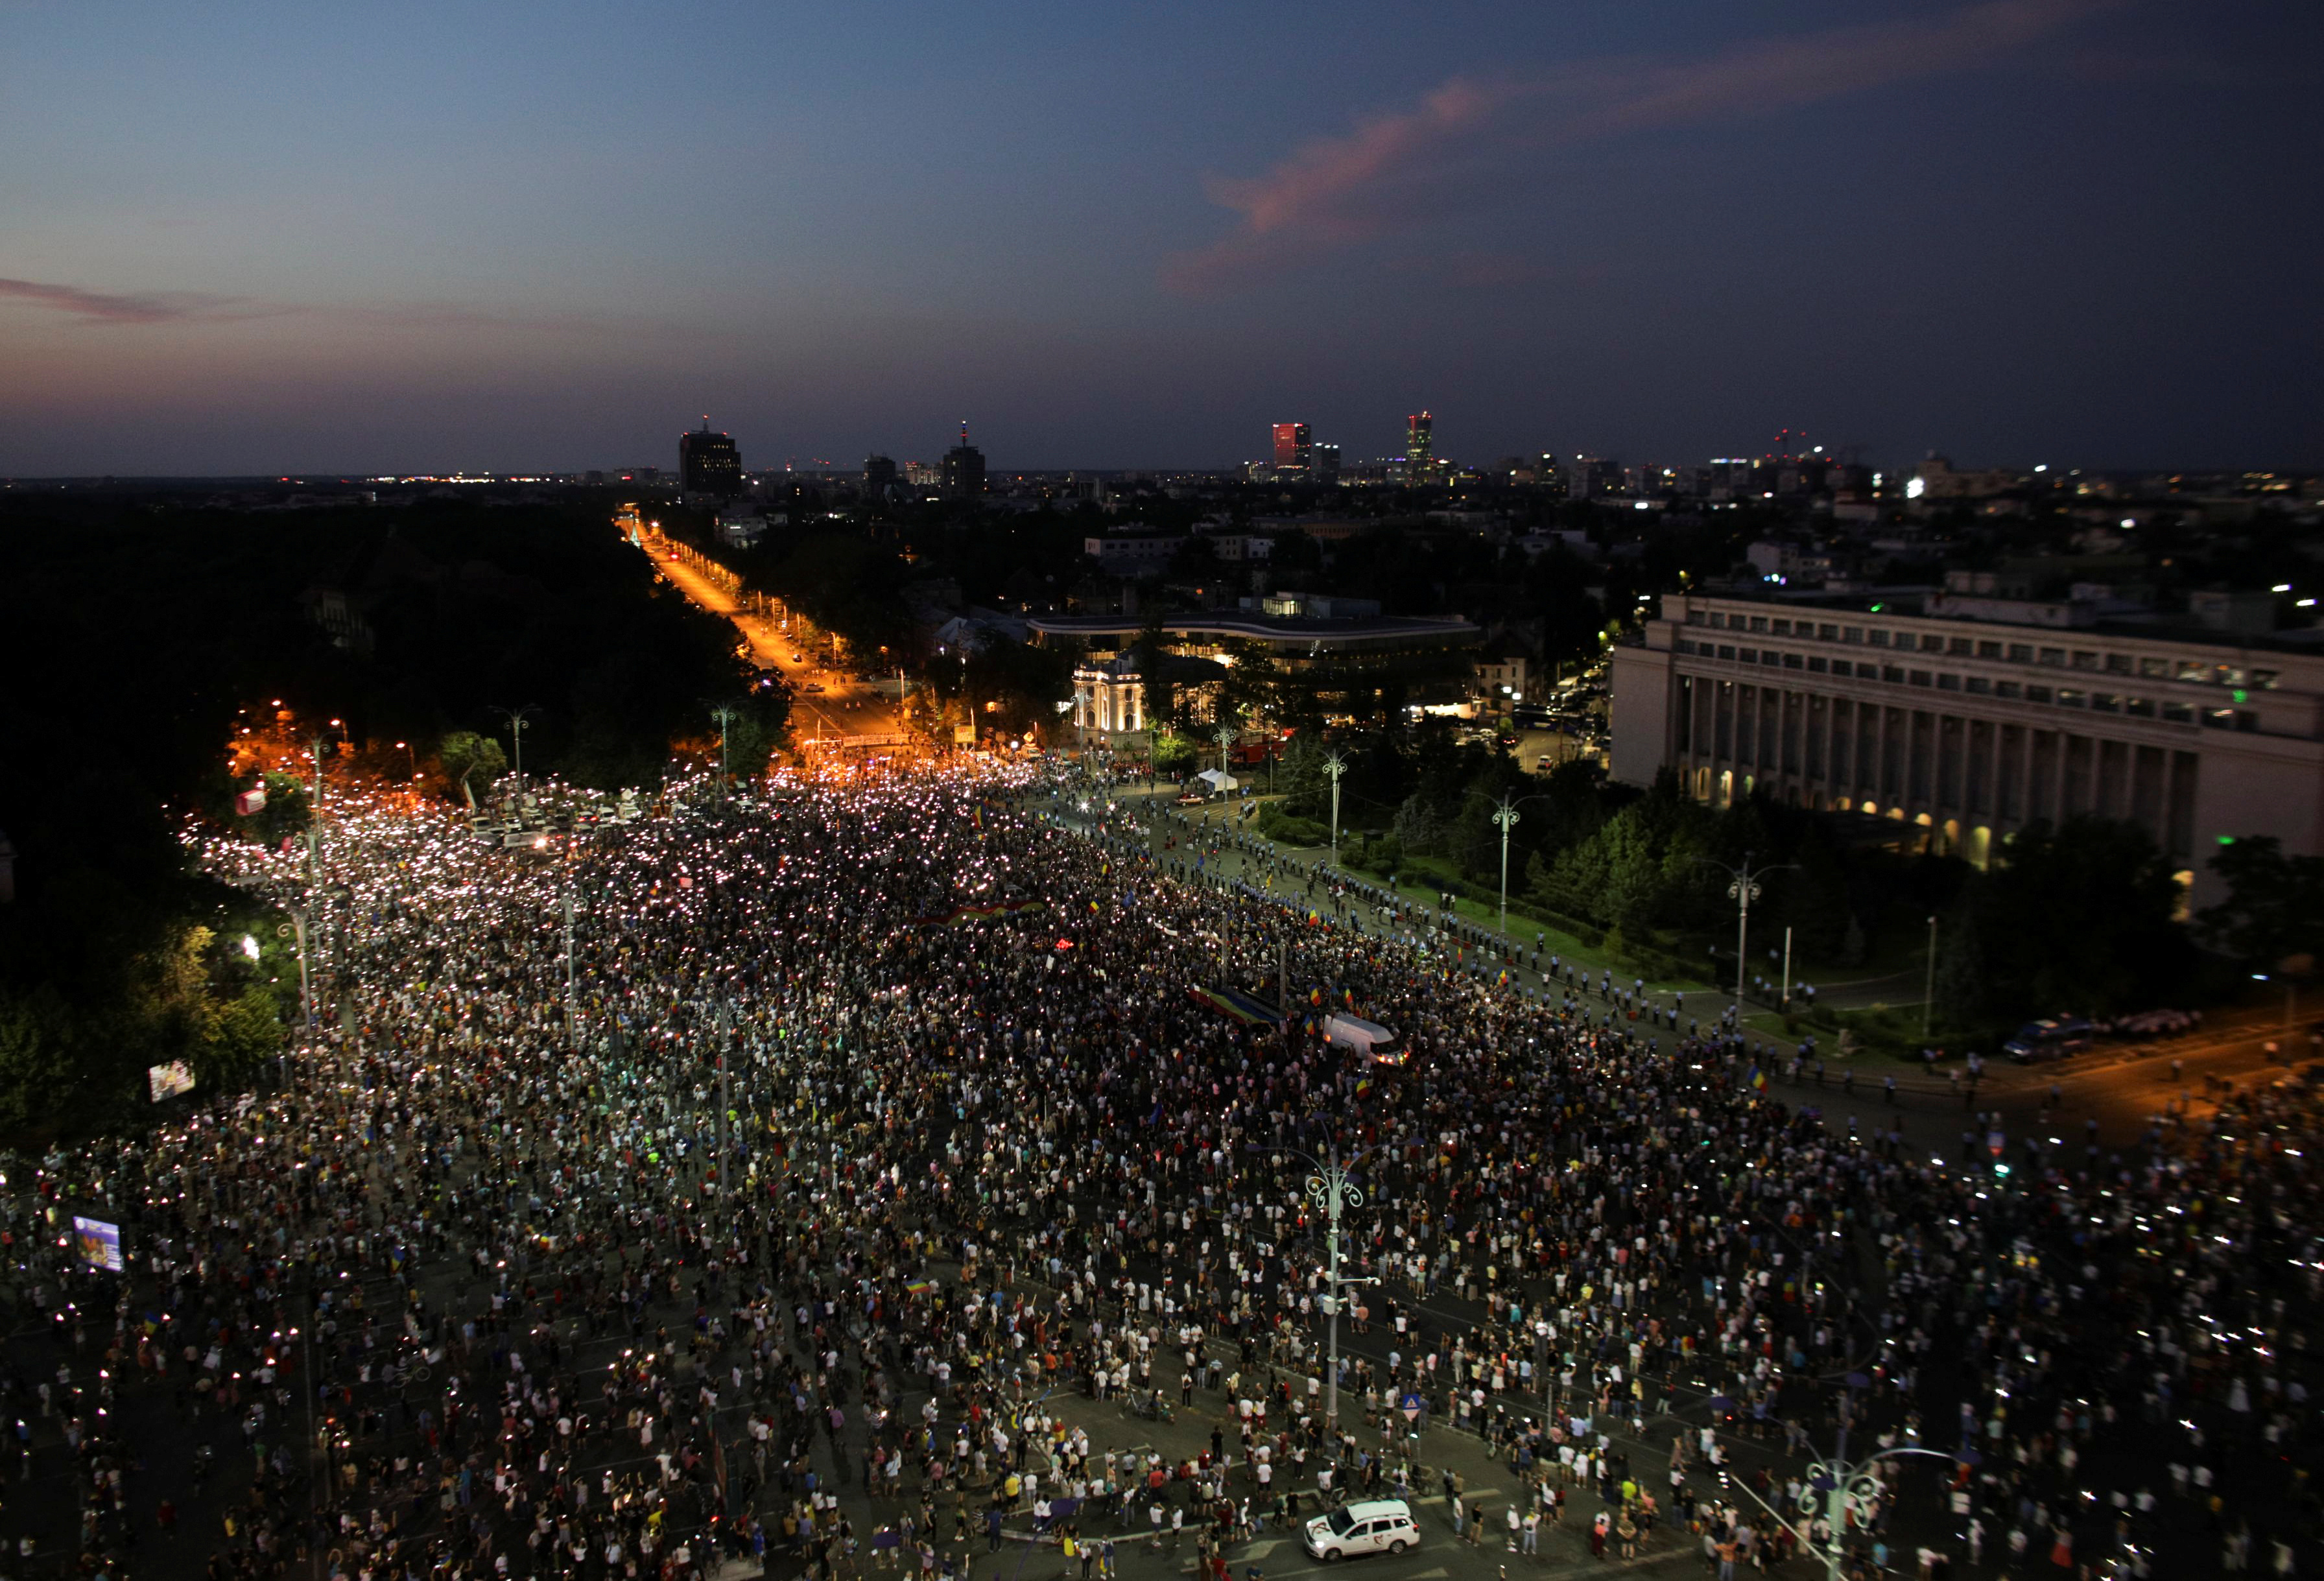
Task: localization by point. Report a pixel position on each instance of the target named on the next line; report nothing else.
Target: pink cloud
(178, 307)
(1394, 168)
(98, 307)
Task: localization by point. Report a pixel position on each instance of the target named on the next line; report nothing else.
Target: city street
(827, 703)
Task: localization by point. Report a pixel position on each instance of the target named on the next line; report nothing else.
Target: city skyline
(2029, 230)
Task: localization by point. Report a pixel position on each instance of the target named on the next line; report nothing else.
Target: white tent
(1218, 779)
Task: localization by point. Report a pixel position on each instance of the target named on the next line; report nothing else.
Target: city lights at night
(1551, 800)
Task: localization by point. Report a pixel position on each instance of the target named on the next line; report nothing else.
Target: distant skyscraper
(1419, 440)
(708, 465)
(1588, 478)
(964, 469)
(879, 474)
(1326, 466)
(1292, 452)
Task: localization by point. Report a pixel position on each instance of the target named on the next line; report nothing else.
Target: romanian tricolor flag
(1759, 1078)
(1234, 1001)
(977, 813)
(1363, 1086)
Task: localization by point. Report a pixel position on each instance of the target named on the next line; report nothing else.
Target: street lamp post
(1334, 766)
(1505, 814)
(315, 814)
(342, 927)
(1331, 1188)
(572, 996)
(1844, 1491)
(1929, 992)
(518, 718)
(1225, 735)
(306, 985)
(726, 1027)
(1745, 889)
(724, 714)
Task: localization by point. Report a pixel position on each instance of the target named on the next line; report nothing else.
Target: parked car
(2151, 1024)
(2054, 1039)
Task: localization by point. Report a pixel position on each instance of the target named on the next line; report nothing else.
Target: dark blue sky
(256, 238)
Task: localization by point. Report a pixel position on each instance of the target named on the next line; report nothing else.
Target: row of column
(1109, 705)
(1833, 749)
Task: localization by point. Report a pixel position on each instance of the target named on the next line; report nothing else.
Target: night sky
(242, 238)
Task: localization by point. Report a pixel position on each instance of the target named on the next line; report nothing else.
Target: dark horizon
(576, 477)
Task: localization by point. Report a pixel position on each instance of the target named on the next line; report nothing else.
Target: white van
(1367, 1038)
(1367, 1526)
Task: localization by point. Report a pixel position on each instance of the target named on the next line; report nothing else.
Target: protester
(886, 1111)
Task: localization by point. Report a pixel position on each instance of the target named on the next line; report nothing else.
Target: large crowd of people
(871, 1133)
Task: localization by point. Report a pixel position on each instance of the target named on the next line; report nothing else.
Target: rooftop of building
(1909, 603)
(1267, 628)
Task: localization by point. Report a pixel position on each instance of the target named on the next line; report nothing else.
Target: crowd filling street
(879, 1183)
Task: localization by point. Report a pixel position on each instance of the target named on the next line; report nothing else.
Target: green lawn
(1435, 876)
(1899, 954)
(1424, 878)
